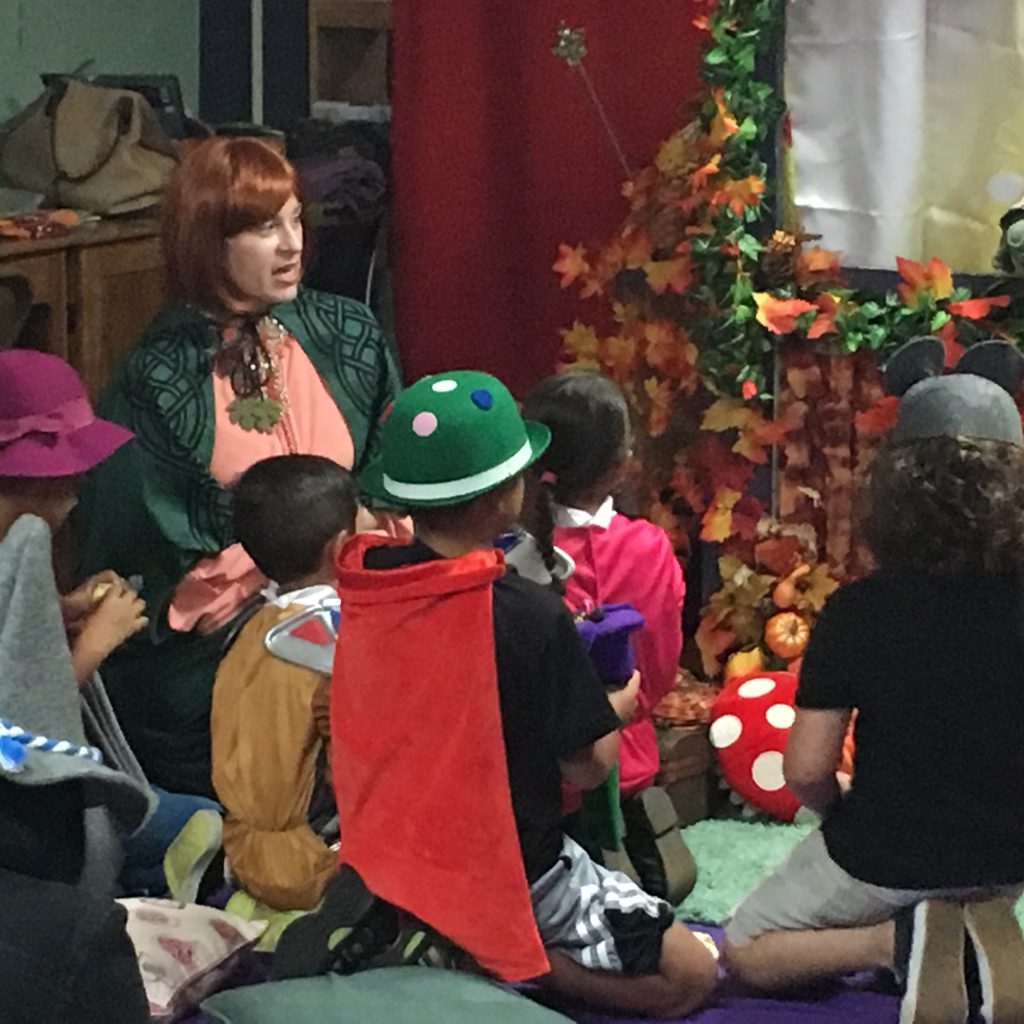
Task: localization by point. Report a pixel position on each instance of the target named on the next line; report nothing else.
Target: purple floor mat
(844, 1003)
(849, 1002)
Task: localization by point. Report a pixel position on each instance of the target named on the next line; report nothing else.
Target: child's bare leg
(780, 960)
(684, 982)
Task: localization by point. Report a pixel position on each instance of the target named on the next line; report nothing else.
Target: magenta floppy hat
(47, 426)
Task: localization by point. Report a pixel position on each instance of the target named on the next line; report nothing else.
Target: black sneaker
(350, 925)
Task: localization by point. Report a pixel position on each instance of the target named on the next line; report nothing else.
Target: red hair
(223, 186)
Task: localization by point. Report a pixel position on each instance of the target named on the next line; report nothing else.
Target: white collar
(304, 597)
(577, 517)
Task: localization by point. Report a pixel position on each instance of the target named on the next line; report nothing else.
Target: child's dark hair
(948, 506)
(590, 437)
(288, 508)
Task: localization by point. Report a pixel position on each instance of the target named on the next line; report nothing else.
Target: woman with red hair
(244, 365)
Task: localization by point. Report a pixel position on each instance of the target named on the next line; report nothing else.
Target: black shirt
(935, 668)
(552, 702)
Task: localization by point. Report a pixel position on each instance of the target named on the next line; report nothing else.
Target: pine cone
(777, 266)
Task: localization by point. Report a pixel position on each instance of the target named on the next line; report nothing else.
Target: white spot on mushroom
(757, 687)
(441, 386)
(725, 731)
(767, 771)
(1006, 186)
(781, 716)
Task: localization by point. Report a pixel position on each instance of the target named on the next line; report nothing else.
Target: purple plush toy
(605, 633)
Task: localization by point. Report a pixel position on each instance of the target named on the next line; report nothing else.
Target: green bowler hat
(450, 437)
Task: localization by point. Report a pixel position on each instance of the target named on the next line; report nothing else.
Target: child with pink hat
(49, 439)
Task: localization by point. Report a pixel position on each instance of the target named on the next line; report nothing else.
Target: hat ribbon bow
(15, 743)
(57, 423)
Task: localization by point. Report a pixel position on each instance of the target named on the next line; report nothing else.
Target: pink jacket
(631, 560)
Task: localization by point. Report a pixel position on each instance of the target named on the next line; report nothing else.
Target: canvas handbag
(89, 148)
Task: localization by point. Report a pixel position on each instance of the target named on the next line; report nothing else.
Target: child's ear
(366, 520)
(331, 549)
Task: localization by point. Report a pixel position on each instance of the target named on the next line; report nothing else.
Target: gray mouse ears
(977, 400)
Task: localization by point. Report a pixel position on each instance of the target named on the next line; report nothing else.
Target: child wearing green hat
(461, 698)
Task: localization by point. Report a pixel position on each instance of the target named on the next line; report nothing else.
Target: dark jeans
(143, 871)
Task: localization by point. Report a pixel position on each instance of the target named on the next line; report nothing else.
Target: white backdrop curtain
(908, 125)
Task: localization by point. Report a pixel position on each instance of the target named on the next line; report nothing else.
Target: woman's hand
(77, 606)
(120, 614)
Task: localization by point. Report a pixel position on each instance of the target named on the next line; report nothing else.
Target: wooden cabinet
(349, 50)
(93, 292)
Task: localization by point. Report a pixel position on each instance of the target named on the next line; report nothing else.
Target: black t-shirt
(552, 702)
(935, 668)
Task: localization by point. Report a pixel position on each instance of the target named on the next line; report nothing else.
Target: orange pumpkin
(786, 634)
(785, 594)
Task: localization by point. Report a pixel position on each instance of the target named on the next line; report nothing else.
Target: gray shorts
(598, 917)
(809, 891)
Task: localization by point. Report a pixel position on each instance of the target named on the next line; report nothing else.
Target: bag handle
(125, 109)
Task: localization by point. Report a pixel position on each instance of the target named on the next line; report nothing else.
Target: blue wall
(131, 36)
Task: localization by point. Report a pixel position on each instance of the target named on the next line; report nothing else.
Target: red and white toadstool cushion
(750, 723)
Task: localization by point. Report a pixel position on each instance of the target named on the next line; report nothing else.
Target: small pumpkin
(786, 634)
(785, 594)
(743, 663)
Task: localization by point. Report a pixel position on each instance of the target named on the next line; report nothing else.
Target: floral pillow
(185, 952)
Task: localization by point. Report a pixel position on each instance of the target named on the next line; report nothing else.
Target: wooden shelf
(349, 50)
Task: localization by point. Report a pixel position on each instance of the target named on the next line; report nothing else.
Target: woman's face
(265, 263)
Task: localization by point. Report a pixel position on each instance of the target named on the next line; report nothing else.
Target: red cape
(419, 757)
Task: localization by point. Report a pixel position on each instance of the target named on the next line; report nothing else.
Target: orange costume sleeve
(419, 757)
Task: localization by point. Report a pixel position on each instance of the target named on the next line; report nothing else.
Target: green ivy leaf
(940, 319)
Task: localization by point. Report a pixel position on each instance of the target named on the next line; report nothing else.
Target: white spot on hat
(766, 771)
(781, 716)
(1006, 186)
(444, 385)
(756, 687)
(725, 731)
(424, 424)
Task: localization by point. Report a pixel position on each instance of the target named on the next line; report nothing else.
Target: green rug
(732, 857)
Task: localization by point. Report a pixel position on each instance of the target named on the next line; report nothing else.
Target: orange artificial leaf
(935, 280)
(738, 195)
(661, 395)
(716, 464)
(723, 124)
(581, 340)
(717, 522)
(618, 356)
(727, 414)
(684, 485)
(666, 275)
(816, 265)
(746, 514)
(779, 315)
(676, 156)
(571, 264)
(661, 515)
(701, 23)
(880, 418)
(699, 179)
(976, 309)
(671, 352)
(636, 248)
(751, 446)
(954, 350)
(712, 641)
(779, 555)
(814, 589)
(825, 321)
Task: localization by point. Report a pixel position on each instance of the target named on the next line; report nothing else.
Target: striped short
(597, 917)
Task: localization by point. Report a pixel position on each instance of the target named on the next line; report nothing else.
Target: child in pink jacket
(617, 560)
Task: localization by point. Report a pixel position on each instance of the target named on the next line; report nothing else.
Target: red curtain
(499, 157)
